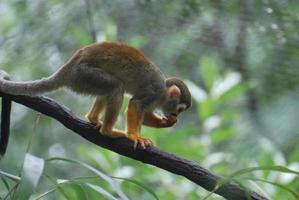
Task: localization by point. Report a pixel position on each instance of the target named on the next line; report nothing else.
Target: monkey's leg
(113, 106)
(95, 111)
(134, 120)
(153, 120)
(95, 81)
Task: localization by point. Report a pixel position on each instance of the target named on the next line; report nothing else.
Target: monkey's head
(178, 98)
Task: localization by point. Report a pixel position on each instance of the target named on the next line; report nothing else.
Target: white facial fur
(181, 107)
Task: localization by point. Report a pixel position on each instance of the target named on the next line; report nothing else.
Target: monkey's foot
(140, 141)
(98, 125)
(94, 120)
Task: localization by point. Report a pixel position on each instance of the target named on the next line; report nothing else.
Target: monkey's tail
(5, 122)
(30, 88)
(19, 88)
(37, 87)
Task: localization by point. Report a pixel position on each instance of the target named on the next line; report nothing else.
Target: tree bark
(153, 156)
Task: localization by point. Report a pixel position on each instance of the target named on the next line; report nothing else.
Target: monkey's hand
(169, 121)
(156, 121)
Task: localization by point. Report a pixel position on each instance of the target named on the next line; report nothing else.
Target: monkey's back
(126, 63)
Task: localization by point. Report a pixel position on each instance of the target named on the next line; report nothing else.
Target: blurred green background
(239, 58)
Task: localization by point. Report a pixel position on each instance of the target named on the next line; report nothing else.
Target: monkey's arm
(153, 120)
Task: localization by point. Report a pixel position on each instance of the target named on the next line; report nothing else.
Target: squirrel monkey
(107, 71)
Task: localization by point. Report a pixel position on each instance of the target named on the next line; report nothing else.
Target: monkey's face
(173, 106)
(178, 97)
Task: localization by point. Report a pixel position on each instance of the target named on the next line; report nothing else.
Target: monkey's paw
(168, 121)
(140, 142)
(94, 120)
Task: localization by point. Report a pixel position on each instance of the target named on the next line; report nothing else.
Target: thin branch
(153, 156)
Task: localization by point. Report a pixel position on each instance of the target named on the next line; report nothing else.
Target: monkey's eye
(181, 107)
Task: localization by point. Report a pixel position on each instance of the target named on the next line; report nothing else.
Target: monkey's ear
(173, 92)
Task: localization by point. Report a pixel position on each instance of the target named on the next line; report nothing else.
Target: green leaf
(210, 193)
(126, 180)
(206, 108)
(31, 173)
(224, 84)
(102, 175)
(12, 191)
(275, 184)
(78, 190)
(32, 169)
(234, 92)
(233, 176)
(221, 135)
(57, 186)
(71, 189)
(247, 192)
(5, 183)
(76, 186)
(40, 196)
(208, 70)
(139, 184)
(262, 168)
(102, 191)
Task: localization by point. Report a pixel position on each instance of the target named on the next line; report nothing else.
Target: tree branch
(152, 156)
